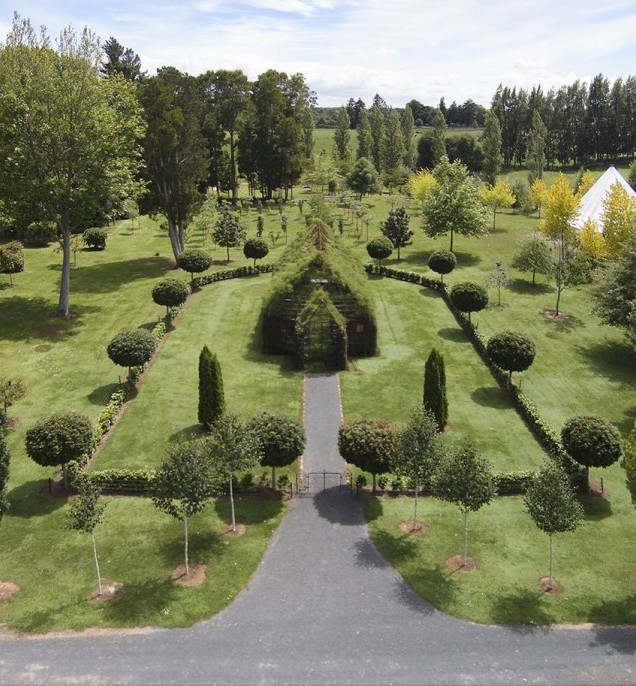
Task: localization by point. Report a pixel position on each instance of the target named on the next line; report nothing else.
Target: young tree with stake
(183, 485)
(417, 452)
(87, 511)
(551, 504)
(465, 479)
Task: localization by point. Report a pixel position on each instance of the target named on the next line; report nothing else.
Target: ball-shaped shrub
(379, 248)
(442, 262)
(131, 348)
(511, 351)
(591, 441)
(95, 238)
(255, 249)
(60, 438)
(281, 439)
(170, 293)
(469, 297)
(368, 444)
(194, 261)
(11, 259)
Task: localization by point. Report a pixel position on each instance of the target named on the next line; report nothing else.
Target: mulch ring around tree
(195, 577)
(561, 317)
(55, 488)
(411, 527)
(239, 530)
(111, 593)
(556, 589)
(456, 564)
(7, 589)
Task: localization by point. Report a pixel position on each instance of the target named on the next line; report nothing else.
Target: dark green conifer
(211, 398)
(4, 475)
(434, 398)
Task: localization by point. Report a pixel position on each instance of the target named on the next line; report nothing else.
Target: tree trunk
(233, 168)
(65, 284)
(273, 478)
(176, 240)
(465, 553)
(99, 576)
(550, 574)
(228, 252)
(534, 275)
(185, 532)
(374, 483)
(232, 504)
(556, 307)
(452, 233)
(415, 507)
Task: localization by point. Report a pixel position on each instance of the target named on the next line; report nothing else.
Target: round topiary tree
(255, 249)
(95, 238)
(512, 351)
(591, 441)
(59, 439)
(469, 297)
(131, 348)
(379, 248)
(11, 259)
(170, 293)
(442, 262)
(194, 261)
(368, 444)
(281, 440)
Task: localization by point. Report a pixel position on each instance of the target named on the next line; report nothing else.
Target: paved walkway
(325, 608)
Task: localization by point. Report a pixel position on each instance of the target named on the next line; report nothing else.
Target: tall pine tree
(434, 398)
(211, 397)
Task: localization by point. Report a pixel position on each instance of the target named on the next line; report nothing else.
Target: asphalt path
(325, 608)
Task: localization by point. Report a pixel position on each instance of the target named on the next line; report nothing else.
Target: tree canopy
(69, 153)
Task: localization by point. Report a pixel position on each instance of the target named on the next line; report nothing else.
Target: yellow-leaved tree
(618, 218)
(586, 182)
(591, 240)
(561, 208)
(538, 194)
(497, 196)
(420, 184)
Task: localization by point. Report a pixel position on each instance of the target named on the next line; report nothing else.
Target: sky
(401, 49)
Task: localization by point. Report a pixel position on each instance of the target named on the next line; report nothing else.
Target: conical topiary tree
(434, 398)
(211, 397)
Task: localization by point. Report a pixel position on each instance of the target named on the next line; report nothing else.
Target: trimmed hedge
(236, 273)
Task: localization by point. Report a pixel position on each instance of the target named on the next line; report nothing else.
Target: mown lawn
(581, 367)
(411, 321)
(225, 317)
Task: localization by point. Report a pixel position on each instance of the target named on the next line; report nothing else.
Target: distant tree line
(585, 123)
(468, 114)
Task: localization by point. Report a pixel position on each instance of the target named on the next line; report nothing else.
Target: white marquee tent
(592, 202)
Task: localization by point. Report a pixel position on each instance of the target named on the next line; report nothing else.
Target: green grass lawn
(581, 367)
(411, 321)
(595, 564)
(225, 317)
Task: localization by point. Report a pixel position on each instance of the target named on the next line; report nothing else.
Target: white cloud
(405, 49)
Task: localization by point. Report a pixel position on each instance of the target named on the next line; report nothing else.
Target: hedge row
(236, 273)
(116, 401)
(527, 410)
(401, 275)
